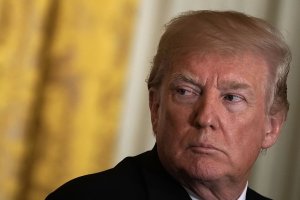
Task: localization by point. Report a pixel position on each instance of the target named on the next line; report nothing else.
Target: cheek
(173, 125)
(247, 138)
(248, 132)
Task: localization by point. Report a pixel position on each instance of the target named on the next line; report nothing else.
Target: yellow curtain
(62, 72)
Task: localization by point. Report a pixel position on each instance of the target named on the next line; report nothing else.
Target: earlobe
(154, 103)
(275, 123)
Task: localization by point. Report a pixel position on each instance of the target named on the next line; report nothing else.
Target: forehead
(243, 67)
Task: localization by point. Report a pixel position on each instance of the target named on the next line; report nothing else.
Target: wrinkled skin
(211, 120)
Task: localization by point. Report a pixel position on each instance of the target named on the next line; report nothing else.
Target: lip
(203, 148)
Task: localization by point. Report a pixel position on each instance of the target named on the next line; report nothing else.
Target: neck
(216, 190)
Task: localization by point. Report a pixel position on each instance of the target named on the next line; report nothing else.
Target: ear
(154, 103)
(275, 123)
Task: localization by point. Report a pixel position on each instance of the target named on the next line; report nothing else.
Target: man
(217, 96)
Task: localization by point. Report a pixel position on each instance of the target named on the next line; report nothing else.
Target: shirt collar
(243, 195)
(195, 197)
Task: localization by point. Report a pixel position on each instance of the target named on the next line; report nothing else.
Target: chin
(202, 170)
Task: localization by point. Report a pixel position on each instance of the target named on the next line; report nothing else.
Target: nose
(206, 113)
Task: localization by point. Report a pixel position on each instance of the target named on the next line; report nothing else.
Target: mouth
(203, 149)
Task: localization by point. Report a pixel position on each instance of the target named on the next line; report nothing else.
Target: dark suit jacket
(136, 178)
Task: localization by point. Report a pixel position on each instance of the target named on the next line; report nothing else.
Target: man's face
(210, 117)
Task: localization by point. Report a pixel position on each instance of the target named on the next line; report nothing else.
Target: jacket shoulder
(113, 183)
(253, 195)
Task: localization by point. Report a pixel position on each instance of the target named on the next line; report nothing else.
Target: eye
(185, 95)
(184, 92)
(233, 98)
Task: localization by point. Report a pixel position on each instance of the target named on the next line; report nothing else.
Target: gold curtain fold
(62, 72)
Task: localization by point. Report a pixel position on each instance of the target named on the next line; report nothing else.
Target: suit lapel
(252, 195)
(159, 184)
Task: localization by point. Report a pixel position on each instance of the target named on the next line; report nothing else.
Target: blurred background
(73, 97)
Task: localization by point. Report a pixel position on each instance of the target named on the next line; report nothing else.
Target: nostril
(205, 120)
(197, 125)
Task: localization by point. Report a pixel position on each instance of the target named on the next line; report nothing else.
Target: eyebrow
(228, 86)
(186, 78)
(234, 85)
(225, 85)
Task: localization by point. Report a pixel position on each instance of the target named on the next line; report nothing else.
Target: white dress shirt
(195, 197)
